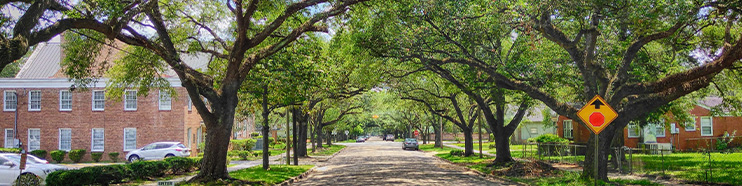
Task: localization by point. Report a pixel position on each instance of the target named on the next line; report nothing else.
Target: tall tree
(237, 34)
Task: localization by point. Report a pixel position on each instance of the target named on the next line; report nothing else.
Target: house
(703, 133)
(533, 125)
(50, 115)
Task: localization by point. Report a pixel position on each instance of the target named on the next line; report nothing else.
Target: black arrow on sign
(597, 103)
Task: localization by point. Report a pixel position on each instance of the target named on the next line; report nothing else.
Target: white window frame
(660, 131)
(126, 101)
(710, 125)
(31, 146)
(633, 127)
(32, 102)
(102, 139)
(125, 139)
(190, 104)
(96, 100)
(63, 100)
(566, 123)
(165, 100)
(60, 139)
(6, 95)
(9, 141)
(189, 137)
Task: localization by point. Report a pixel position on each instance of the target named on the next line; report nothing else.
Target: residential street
(377, 162)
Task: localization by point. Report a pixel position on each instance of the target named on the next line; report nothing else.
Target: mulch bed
(527, 169)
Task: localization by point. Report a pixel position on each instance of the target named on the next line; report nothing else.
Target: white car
(159, 150)
(34, 174)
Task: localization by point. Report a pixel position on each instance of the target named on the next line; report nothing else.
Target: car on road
(34, 174)
(389, 137)
(410, 143)
(159, 150)
(360, 139)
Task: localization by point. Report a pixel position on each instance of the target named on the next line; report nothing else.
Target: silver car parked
(159, 150)
(410, 143)
(34, 173)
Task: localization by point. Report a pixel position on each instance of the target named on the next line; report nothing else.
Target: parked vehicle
(410, 143)
(360, 139)
(34, 174)
(159, 150)
(389, 137)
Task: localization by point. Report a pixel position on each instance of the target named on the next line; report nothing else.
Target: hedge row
(112, 174)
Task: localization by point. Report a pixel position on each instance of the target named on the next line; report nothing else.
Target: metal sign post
(597, 114)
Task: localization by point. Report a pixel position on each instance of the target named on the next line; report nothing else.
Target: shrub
(457, 139)
(457, 152)
(244, 144)
(98, 175)
(114, 156)
(243, 155)
(96, 156)
(146, 169)
(180, 165)
(39, 153)
(548, 138)
(76, 155)
(279, 146)
(58, 155)
(10, 150)
(256, 154)
(254, 134)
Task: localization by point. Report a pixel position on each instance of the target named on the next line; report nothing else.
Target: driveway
(377, 162)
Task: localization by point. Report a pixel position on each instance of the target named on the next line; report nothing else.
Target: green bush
(548, 138)
(257, 154)
(457, 152)
(146, 169)
(243, 155)
(10, 150)
(457, 139)
(179, 165)
(58, 155)
(76, 155)
(278, 146)
(244, 144)
(39, 153)
(114, 156)
(96, 156)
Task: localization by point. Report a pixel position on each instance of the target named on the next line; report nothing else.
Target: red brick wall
(151, 123)
(581, 134)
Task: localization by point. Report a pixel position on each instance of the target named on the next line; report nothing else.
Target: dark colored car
(389, 137)
(410, 143)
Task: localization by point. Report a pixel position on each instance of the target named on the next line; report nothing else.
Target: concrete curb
(291, 181)
(487, 176)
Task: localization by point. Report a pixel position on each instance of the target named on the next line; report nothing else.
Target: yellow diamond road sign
(597, 114)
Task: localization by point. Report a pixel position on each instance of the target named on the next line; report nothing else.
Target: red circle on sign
(597, 119)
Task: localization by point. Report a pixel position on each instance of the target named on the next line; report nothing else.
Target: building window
(130, 100)
(9, 138)
(633, 130)
(34, 100)
(97, 142)
(130, 139)
(11, 100)
(65, 139)
(568, 129)
(165, 100)
(34, 139)
(190, 104)
(707, 128)
(65, 100)
(660, 130)
(99, 100)
(189, 137)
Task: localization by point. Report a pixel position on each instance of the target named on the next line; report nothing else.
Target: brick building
(703, 133)
(51, 116)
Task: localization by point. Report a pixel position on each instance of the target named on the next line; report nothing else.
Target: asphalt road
(379, 162)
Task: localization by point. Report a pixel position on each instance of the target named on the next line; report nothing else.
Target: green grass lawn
(326, 151)
(348, 141)
(726, 168)
(430, 148)
(276, 174)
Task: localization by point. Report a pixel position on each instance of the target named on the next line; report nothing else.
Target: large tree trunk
(295, 136)
(438, 128)
(329, 138)
(468, 142)
(604, 145)
(616, 144)
(218, 133)
(303, 125)
(319, 133)
(502, 147)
